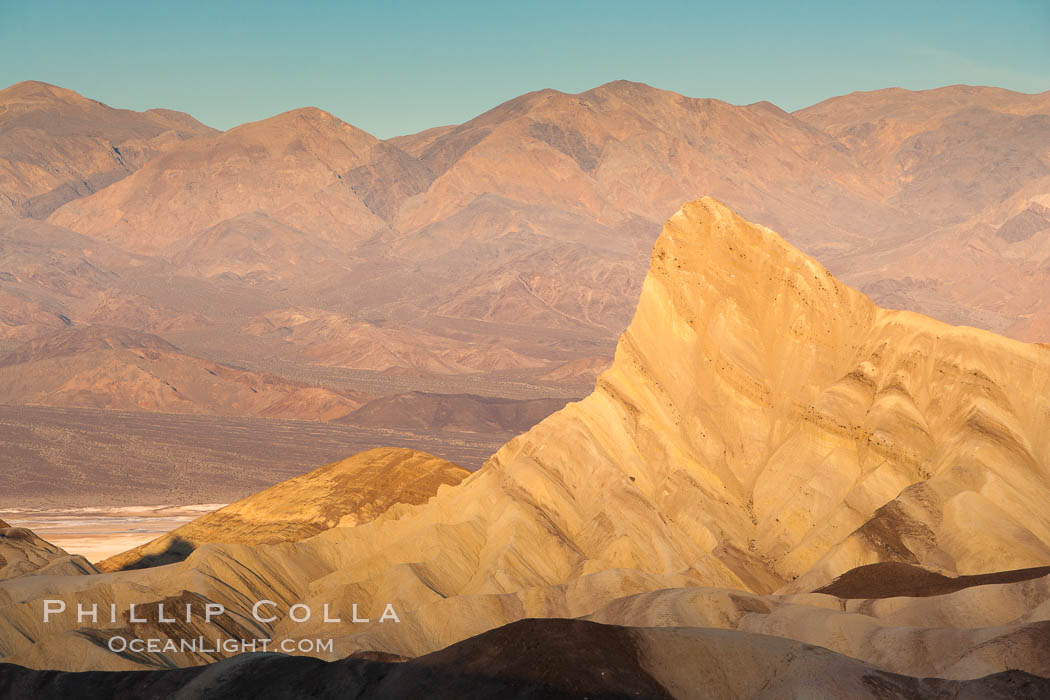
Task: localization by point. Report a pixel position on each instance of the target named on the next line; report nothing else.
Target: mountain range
(537, 215)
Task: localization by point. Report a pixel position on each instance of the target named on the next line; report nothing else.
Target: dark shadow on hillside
(177, 550)
(891, 579)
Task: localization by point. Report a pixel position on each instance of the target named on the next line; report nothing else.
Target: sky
(400, 67)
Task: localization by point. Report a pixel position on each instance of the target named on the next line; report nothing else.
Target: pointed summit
(313, 116)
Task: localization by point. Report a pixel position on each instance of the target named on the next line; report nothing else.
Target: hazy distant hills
(968, 167)
(56, 145)
(285, 166)
(511, 247)
(115, 368)
(454, 412)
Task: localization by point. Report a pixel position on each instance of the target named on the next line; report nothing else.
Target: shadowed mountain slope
(541, 658)
(890, 579)
(51, 278)
(421, 411)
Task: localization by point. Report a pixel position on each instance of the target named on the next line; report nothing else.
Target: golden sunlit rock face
(763, 406)
(763, 429)
(349, 492)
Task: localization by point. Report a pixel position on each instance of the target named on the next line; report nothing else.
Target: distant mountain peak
(35, 89)
(311, 115)
(626, 86)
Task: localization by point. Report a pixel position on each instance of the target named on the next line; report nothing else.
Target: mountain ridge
(57, 145)
(540, 212)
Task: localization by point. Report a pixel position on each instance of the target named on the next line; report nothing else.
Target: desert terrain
(87, 457)
(299, 268)
(806, 432)
(775, 473)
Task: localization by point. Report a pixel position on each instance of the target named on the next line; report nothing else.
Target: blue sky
(399, 67)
